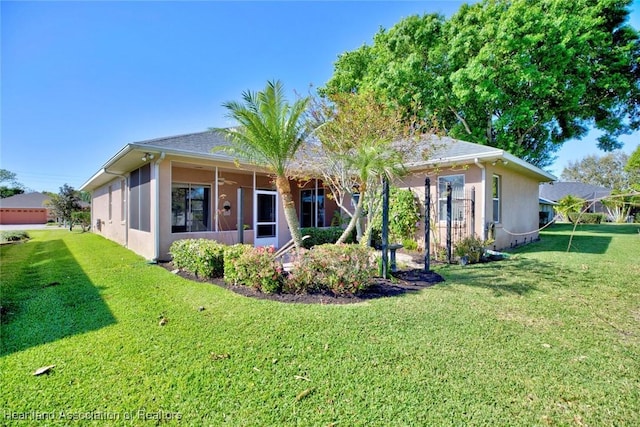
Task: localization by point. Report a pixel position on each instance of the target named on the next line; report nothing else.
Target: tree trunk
(355, 218)
(290, 213)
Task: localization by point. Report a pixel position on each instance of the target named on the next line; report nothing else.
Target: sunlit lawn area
(546, 337)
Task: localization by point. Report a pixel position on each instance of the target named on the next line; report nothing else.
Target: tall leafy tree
(633, 169)
(606, 171)
(9, 185)
(65, 203)
(521, 75)
(269, 134)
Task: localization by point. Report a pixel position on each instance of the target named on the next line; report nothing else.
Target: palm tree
(269, 134)
(370, 163)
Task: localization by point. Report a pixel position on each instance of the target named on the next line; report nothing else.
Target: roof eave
(488, 156)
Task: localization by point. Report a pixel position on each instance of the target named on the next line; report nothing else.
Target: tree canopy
(362, 140)
(9, 185)
(606, 171)
(65, 203)
(633, 169)
(520, 75)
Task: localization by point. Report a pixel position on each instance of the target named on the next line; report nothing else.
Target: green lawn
(546, 337)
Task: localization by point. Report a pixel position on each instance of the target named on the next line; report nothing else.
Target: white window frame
(496, 194)
(442, 196)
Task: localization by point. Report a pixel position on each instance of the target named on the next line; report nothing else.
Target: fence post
(385, 226)
(473, 211)
(427, 224)
(449, 220)
(240, 215)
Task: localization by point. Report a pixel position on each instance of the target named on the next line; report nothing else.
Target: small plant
(570, 204)
(202, 257)
(340, 269)
(13, 236)
(410, 244)
(253, 267)
(471, 248)
(82, 218)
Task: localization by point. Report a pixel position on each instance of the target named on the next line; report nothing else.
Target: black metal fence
(451, 219)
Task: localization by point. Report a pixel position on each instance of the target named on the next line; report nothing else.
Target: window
(190, 208)
(110, 202)
(140, 199)
(312, 208)
(457, 197)
(496, 189)
(123, 200)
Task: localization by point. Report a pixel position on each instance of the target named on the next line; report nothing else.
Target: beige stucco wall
(519, 202)
(416, 182)
(114, 228)
(520, 207)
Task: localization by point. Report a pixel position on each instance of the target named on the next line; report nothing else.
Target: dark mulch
(402, 283)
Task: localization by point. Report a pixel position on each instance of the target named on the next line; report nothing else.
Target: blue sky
(82, 79)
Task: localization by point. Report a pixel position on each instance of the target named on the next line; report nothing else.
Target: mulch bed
(403, 282)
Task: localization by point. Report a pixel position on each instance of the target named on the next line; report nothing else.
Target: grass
(546, 337)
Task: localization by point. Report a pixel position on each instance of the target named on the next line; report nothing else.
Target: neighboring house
(26, 208)
(151, 193)
(593, 194)
(547, 210)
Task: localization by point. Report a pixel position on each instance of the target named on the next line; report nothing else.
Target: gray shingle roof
(201, 143)
(448, 148)
(558, 190)
(25, 201)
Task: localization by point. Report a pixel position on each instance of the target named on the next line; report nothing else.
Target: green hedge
(586, 218)
(202, 257)
(321, 236)
(339, 269)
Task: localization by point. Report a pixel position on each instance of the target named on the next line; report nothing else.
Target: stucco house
(151, 193)
(26, 208)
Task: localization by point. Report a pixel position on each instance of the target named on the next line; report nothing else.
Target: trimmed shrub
(321, 236)
(82, 218)
(253, 267)
(586, 218)
(202, 257)
(13, 236)
(340, 269)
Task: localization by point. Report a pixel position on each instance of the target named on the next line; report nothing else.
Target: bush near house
(320, 236)
(472, 248)
(202, 257)
(82, 218)
(253, 267)
(339, 269)
(585, 218)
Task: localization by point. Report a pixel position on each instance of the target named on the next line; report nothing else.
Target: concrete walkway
(25, 227)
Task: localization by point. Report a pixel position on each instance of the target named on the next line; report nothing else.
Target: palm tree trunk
(354, 219)
(290, 214)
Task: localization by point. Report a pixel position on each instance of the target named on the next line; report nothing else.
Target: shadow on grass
(508, 277)
(48, 297)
